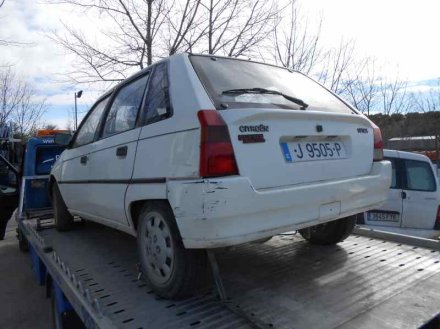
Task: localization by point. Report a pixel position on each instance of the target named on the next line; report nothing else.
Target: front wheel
(331, 232)
(172, 271)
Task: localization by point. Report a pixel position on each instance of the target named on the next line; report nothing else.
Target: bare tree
(296, 45)
(179, 27)
(235, 27)
(362, 89)
(28, 113)
(227, 27)
(140, 31)
(11, 94)
(339, 66)
(135, 38)
(130, 41)
(394, 96)
(19, 103)
(370, 92)
(427, 101)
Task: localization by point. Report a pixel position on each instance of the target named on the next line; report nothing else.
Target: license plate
(313, 151)
(380, 216)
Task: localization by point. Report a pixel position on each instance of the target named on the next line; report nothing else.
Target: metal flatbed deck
(284, 283)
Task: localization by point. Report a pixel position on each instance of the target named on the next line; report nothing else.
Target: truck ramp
(286, 282)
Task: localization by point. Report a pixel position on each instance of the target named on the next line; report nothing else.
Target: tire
(57, 319)
(63, 219)
(172, 271)
(66, 320)
(23, 244)
(331, 232)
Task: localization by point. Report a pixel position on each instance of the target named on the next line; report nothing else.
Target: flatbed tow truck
(370, 280)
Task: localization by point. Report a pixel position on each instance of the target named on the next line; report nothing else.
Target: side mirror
(62, 139)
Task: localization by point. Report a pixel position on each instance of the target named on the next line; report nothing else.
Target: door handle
(403, 193)
(122, 151)
(83, 159)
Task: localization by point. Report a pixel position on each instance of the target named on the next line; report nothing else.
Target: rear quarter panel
(169, 149)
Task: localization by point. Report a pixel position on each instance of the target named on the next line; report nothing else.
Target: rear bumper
(221, 212)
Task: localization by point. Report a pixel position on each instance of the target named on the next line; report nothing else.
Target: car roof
(137, 74)
(170, 59)
(406, 155)
(188, 54)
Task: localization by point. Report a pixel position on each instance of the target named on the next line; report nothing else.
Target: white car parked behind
(200, 152)
(413, 204)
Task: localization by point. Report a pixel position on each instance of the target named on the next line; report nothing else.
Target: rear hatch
(276, 148)
(285, 128)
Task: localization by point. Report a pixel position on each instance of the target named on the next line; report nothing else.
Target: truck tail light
(437, 220)
(378, 144)
(216, 153)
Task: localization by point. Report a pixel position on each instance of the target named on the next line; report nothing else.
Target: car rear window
(219, 74)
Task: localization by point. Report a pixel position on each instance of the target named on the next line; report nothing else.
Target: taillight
(216, 153)
(437, 220)
(378, 144)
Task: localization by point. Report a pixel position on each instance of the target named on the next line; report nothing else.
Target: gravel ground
(23, 302)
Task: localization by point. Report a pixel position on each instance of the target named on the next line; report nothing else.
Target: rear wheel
(64, 320)
(171, 270)
(23, 244)
(331, 232)
(63, 219)
(57, 318)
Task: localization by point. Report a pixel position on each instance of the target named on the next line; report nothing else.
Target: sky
(401, 35)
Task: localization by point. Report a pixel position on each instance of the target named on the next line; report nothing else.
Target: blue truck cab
(27, 188)
(40, 155)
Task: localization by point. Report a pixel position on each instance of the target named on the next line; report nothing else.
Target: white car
(413, 204)
(199, 152)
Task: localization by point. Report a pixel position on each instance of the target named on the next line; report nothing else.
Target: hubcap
(159, 248)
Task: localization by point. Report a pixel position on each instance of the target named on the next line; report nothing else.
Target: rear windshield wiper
(295, 100)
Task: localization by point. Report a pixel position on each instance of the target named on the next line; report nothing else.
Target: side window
(87, 131)
(419, 176)
(157, 103)
(123, 112)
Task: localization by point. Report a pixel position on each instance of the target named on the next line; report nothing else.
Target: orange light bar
(49, 132)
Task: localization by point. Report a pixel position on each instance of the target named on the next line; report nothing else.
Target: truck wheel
(63, 219)
(331, 232)
(64, 320)
(57, 318)
(23, 244)
(172, 271)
